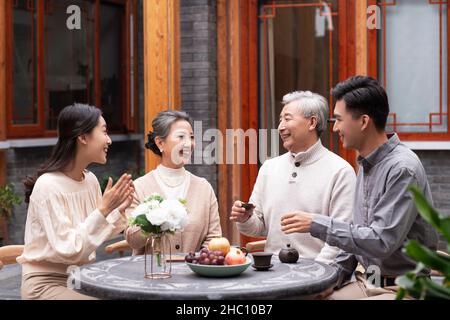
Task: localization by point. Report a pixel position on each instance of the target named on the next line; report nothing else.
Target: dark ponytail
(151, 144)
(73, 121)
(161, 127)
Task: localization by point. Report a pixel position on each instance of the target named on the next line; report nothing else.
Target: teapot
(288, 255)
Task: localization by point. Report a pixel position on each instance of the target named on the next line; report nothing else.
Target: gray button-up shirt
(384, 215)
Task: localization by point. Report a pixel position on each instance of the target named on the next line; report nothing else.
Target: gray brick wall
(199, 71)
(437, 167)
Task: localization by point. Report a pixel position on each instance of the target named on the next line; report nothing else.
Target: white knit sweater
(322, 183)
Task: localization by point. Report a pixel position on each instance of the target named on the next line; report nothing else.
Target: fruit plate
(219, 271)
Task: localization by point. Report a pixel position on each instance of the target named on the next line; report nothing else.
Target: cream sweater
(321, 182)
(64, 226)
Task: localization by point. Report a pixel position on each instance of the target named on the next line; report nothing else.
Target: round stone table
(124, 279)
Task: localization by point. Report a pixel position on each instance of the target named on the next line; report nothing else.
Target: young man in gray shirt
(384, 215)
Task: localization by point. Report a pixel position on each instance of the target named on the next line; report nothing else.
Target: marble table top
(123, 278)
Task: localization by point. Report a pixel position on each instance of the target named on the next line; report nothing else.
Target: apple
(235, 256)
(219, 244)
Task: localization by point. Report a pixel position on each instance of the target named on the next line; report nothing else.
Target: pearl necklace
(171, 177)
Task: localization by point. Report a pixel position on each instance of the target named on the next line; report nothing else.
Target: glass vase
(157, 260)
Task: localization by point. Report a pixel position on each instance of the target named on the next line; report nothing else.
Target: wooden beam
(3, 89)
(161, 63)
(222, 117)
(372, 45)
(237, 52)
(347, 56)
(361, 37)
(2, 72)
(230, 106)
(249, 95)
(236, 101)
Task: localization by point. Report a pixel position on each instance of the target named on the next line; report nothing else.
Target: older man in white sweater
(308, 178)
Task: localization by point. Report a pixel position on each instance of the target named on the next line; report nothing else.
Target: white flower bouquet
(158, 216)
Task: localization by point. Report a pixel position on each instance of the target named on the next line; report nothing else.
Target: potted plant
(8, 199)
(413, 283)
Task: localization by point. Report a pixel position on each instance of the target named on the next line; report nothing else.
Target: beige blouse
(64, 226)
(204, 220)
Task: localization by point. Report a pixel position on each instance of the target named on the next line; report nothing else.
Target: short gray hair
(310, 105)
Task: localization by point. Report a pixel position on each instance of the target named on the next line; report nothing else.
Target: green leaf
(409, 283)
(413, 283)
(428, 257)
(8, 199)
(155, 196)
(434, 290)
(146, 226)
(142, 221)
(425, 209)
(445, 226)
(401, 293)
(429, 214)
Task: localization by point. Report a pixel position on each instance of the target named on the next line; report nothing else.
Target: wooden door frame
(161, 64)
(237, 65)
(2, 90)
(2, 73)
(3, 224)
(349, 51)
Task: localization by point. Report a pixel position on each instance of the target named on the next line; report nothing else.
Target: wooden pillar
(237, 99)
(372, 46)
(228, 64)
(2, 71)
(161, 63)
(2, 89)
(361, 37)
(3, 224)
(361, 56)
(348, 51)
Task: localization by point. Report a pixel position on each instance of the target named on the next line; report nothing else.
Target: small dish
(262, 268)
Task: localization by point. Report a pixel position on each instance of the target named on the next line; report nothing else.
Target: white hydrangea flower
(153, 204)
(157, 216)
(176, 215)
(140, 210)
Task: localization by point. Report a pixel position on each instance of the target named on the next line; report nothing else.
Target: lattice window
(413, 65)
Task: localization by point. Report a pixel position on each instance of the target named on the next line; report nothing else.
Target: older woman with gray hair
(307, 176)
(172, 139)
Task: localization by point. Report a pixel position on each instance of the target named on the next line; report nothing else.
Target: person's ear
(312, 123)
(82, 139)
(365, 120)
(159, 143)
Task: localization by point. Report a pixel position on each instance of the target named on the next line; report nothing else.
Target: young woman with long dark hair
(68, 217)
